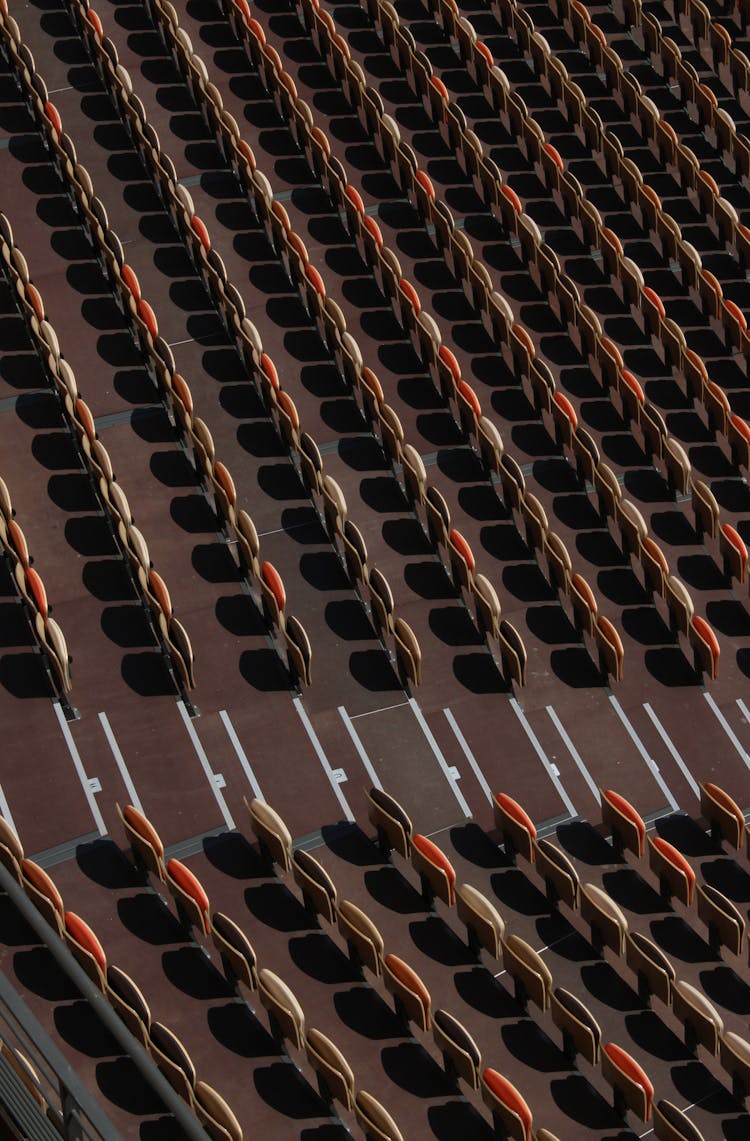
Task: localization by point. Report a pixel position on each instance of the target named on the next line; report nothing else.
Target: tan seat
(607, 922)
(412, 999)
(484, 924)
(298, 652)
(285, 1014)
(393, 826)
(461, 1055)
(513, 654)
(581, 1032)
(723, 814)
(364, 941)
(531, 975)
(215, 1115)
(703, 1026)
(317, 887)
(272, 833)
(11, 849)
(374, 1120)
(408, 654)
(335, 1076)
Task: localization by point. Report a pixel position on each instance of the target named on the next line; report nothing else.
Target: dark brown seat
(608, 924)
(673, 1124)
(460, 1052)
(391, 822)
(362, 937)
(317, 887)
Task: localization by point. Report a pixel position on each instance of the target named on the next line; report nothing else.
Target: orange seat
(190, 895)
(201, 232)
(435, 869)
(706, 644)
(515, 824)
(80, 932)
(674, 871)
(723, 813)
(632, 1085)
(411, 995)
(507, 1104)
(625, 822)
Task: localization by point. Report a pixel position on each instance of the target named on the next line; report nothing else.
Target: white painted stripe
(322, 757)
(468, 754)
(653, 767)
(241, 755)
(383, 709)
(673, 750)
(575, 754)
(5, 810)
(210, 777)
(727, 728)
(746, 715)
(120, 761)
(542, 756)
(78, 766)
(359, 747)
(439, 756)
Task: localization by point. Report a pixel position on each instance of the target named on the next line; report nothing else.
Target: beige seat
(558, 872)
(374, 1120)
(607, 922)
(285, 1015)
(215, 1115)
(580, 1030)
(408, 654)
(461, 1056)
(723, 814)
(531, 975)
(335, 1076)
(726, 923)
(484, 924)
(272, 833)
(703, 1026)
(364, 941)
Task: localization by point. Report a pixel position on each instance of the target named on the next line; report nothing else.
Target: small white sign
(338, 776)
(453, 773)
(219, 780)
(95, 785)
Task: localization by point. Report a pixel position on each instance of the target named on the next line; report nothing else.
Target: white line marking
(210, 775)
(439, 756)
(81, 772)
(727, 728)
(542, 756)
(241, 755)
(468, 754)
(120, 762)
(359, 747)
(187, 341)
(5, 810)
(673, 751)
(746, 715)
(653, 767)
(383, 709)
(574, 754)
(322, 757)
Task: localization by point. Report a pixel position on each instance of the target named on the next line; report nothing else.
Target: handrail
(69, 1079)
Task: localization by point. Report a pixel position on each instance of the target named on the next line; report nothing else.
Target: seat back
(411, 995)
(604, 917)
(528, 969)
(702, 1023)
(632, 1085)
(374, 1120)
(656, 975)
(484, 922)
(507, 1105)
(236, 950)
(316, 885)
(361, 935)
(581, 1031)
(331, 1066)
(457, 1046)
(285, 1013)
(557, 871)
(273, 834)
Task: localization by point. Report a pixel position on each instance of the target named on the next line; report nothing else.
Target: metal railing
(53, 1101)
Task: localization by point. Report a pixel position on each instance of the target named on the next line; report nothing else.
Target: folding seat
(485, 926)
(173, 1060)
(608, 926)
(355, 554)
(381, 603)
(461, 559)
(531, 976)
(11, 850)
(498, 94)
(702, 1025)
(317, 887)
(673, 1124)
(726, 924)
(625, 823)
(415, 475)
(487, 605)
(41, 890)
(723, 814)
(272, 833)
(363, 940)
(215, 1115)
(128, 1002)
(448, 372)
(85, 948)
(335, 1076)
(298, 651)
(411, 998)
(535, 520)
(654, 971)
(522, 350)
(515, 826)
(705, 509)
(248, 544)
(238, 957)
(733, 553)
(490, 444)
(374, 1120)
(285, 1015)
(510, 1113)
(334, 507)
(632, 1087)
(189, 896)
(145, 842)
(705, 645)
(564, 418)
(461, 1055)
(408, 654)
(25, 1072)
(391, 822)
(560, 877)
(513, 654)
(436, 873)
(438, 517)
(676, 876)
(580, 1031)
